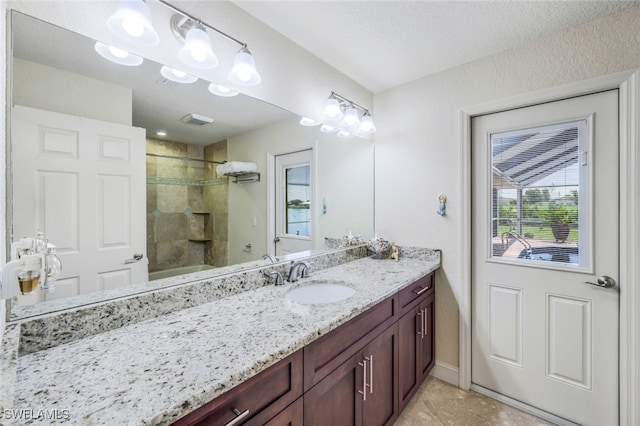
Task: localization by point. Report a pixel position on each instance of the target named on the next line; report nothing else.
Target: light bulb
(351, 117)
(366, 124)
(132, 22)
(327, 128)
(332, 109)
(197, 51)
(344, 134)
(133, 25)
(116, 55)
(220, 90)
(306, 121)
(244, 69)
(176, 75)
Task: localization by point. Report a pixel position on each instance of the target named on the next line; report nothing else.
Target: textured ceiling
(382, 44)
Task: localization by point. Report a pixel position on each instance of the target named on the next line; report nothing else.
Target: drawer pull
(239, 416)
(421, 331)
(363, 364)
(422, 290)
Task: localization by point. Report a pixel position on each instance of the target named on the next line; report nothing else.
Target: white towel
(236, 167)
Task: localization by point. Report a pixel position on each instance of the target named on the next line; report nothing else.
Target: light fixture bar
(349, 102)
(199, 21)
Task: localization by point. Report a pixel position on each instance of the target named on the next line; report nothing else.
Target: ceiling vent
(162, 81)
(197, 119)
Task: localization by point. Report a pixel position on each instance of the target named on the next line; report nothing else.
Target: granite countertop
(158, 370)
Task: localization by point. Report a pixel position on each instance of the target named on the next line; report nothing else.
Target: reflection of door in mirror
(294, 192)
(82, 182)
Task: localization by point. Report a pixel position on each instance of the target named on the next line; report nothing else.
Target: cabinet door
(381, 360)
(337, 399)
(290, 416)
(409, 327)
(426, 344)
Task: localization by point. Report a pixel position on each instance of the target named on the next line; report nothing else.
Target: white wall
(51, 89)
(344, 175)
(418, 139)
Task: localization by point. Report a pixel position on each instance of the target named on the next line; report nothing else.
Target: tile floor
(438, 403)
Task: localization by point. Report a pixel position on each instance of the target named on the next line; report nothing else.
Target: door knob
(604, 281)
(135, 258)
(276, 240)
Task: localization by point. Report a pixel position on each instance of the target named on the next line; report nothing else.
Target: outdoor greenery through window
(298, 199)
(537, 185)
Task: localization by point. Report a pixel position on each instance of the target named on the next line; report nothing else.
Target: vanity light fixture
(177, 75)
(244, 70)
(132, 22)
(220, 90)
(338, 107)
(118, 56)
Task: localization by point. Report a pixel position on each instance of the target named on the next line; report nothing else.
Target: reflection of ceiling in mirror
(156, 105)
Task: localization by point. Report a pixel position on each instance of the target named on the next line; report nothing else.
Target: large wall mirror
(187, 216)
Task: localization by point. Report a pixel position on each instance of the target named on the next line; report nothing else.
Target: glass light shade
(326, 128)
(306, 121)
(132, 22)
(118, 56)
(366, 124)
(332, 109)
(177, 75)
(220, 90)
(244, 69)
(344, 134)
(351, 117)
(197, 51)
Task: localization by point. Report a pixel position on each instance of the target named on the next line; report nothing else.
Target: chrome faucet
(275, 276)
(299, 269)
(271, 257)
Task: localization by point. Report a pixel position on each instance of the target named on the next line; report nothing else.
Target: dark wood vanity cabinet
(416, 337)
(362, 390)
(362, 373)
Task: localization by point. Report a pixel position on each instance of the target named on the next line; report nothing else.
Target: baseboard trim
(446, 372)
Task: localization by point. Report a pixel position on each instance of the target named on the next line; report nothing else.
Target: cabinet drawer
(410, 295)
(324, 355)
(262, 396)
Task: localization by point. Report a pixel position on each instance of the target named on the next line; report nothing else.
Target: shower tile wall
(179, 232)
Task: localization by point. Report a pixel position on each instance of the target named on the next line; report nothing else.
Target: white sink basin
(319, 293)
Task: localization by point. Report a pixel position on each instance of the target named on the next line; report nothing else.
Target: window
(298, 199)
(540, 194)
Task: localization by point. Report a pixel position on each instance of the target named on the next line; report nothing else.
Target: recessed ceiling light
(161, 133)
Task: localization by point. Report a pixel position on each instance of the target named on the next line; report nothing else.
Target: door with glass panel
(545, 257)
(294, 195)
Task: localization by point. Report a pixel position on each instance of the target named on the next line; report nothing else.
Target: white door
(83, 183)
(294, 195)
(542, 335)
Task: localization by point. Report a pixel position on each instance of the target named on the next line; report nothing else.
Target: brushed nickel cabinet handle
(239, 416)
(370, 359)
(422, 290)
(421, 331)
(424, 325)
(363, 364)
